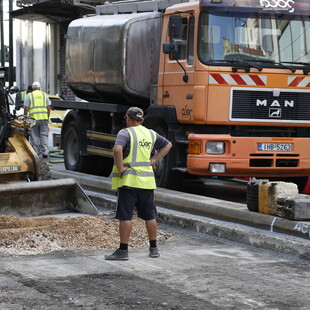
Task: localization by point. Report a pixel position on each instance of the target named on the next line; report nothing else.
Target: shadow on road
(230, 190)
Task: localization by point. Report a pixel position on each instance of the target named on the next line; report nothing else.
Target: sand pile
(33, 236)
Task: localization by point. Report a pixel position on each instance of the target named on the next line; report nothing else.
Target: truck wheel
(72, 146)
(45, 172)
(252, 196)
(164, 176)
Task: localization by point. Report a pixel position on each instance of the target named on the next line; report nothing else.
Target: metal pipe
(1, 35)
(11, 65)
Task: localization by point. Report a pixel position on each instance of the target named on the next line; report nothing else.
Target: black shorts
(129, 198)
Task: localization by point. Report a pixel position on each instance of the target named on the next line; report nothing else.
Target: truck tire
(164, 176)
(72, 145)
(252, 196)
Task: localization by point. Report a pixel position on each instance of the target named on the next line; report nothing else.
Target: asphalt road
(225, 189)
(194, 271)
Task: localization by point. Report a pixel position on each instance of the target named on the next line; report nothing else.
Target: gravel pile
(33, 236)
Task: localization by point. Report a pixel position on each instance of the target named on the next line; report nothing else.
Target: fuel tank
(114, 58)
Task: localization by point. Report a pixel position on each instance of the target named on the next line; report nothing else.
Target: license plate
(278, 147)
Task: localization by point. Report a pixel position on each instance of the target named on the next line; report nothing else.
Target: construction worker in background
(38, 105)
(133, 177)
(14, 89)
(12, 93)
(20, 97)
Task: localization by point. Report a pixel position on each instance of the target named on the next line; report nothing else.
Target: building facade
(40, 28)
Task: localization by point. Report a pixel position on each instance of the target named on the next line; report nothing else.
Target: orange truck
(227, 82)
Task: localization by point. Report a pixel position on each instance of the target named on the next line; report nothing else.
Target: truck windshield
(265, 41)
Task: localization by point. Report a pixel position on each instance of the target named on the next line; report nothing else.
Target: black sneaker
(154, 252)
(118, 255)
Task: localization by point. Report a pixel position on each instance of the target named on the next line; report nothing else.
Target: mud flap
(44, 198)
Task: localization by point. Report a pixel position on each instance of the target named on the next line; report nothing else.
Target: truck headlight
(215, 147)
(217, 167)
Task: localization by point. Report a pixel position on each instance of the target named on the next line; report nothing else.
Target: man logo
(276, 113)
(275, 103)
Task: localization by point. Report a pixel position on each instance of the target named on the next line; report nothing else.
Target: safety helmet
(14, 89)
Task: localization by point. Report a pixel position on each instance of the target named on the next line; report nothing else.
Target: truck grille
(270, 105)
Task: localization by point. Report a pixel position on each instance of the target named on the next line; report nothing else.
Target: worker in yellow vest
(38, 105)
(133, 177)
(20, 97)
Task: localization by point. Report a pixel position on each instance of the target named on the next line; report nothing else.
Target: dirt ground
(32, 236)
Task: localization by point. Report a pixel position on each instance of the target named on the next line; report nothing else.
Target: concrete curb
(232, 212)
(209, 207)
(288, 245)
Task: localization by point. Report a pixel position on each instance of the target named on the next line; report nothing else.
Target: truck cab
(238, 76)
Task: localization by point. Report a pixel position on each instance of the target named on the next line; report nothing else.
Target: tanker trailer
(114, 58)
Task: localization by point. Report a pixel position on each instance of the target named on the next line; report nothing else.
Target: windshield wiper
(236, 64)
(306, 65)
(280, 64)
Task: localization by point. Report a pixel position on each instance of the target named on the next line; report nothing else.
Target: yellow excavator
(26, 186)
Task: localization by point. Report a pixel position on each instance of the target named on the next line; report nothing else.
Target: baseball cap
(36, 85)
(135, 113)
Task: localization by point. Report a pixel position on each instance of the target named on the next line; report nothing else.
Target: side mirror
(173, 48)
(170, 48)
(175, 26)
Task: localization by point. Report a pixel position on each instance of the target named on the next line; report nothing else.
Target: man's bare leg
(125, 228)
(121, 253)
(151, 227)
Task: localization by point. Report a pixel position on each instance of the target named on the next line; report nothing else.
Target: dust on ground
(32, 236)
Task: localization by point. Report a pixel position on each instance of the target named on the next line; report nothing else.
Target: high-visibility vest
(139, 173)
(37, 105)
(23, 95)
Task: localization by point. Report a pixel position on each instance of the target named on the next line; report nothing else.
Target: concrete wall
(37, 55)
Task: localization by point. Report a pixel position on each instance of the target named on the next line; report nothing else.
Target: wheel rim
(72, 148)
(159, 170)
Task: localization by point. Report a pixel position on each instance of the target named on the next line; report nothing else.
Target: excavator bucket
(44, 198)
